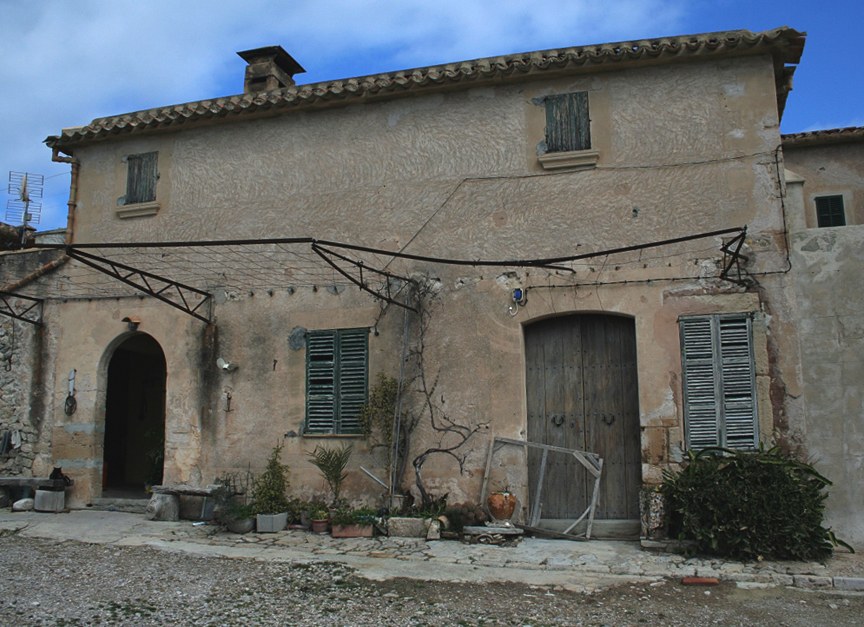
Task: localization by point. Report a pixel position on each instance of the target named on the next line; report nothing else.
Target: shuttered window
(829, 211)
(336, 380)
(719, 381)
(141, 177)
(567, 123)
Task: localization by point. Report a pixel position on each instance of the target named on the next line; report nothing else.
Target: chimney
(268, 68)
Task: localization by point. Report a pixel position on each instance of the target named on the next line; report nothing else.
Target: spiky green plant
(331, 462)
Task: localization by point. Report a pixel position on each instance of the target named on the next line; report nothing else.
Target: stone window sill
(574, 159)
(138, 210)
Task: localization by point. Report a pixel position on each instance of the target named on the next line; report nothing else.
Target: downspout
(73, 191)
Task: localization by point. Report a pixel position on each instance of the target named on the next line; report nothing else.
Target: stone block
(849, 583)
(812, 581)
(434, 531)
(407, 527)
(50, 501)
(163, 507)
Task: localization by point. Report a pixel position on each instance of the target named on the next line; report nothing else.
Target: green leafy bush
(750, 505)
(269, 489)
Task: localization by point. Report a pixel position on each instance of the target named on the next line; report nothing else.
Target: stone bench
(37, 483)
(165, 501)
(50, 493)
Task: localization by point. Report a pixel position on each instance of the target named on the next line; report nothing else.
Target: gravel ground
(71, 583)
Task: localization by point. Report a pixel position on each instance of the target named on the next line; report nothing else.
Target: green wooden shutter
(321, 382)
(353, 360)
(336, 380)
(700, 384)
(568, 126)
(829, 211)
(738, 382)
(719, 381)
(141, 176)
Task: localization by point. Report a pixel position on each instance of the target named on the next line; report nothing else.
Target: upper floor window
(830, 211)
(141, 178)
(336, 380)
(567, 123)
(719, 381)
(567, 142)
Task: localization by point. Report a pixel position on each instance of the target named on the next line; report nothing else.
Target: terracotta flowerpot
(319, 526)
(501, 505)
(351, 531)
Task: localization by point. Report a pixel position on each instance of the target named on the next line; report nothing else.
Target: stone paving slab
(582, 566)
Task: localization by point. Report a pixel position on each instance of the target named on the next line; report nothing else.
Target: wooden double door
(583, 394)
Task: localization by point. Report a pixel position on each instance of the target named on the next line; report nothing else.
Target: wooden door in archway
(134, 441)
(583, 394)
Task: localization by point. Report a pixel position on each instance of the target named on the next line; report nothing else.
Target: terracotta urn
(501, 505)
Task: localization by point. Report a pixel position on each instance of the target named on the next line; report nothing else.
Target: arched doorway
(134, 418)
(582, 393)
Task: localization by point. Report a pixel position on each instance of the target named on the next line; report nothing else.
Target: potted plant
(348, 522)
(233, 509)
(320, 520)
(331, 462)
(501, 504)
(239, 518)
(268, 494)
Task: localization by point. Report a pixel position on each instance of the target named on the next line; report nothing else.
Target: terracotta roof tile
(826, 136)
(784, 44)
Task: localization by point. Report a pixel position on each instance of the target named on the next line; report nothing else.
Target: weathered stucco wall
(826, 265)
(829, 169)
(682, 149)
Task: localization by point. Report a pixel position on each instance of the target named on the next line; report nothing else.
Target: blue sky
(63, 63)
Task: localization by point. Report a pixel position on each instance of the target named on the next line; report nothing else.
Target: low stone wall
(16, 376)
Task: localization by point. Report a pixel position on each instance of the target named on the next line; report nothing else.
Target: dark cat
(57, 473)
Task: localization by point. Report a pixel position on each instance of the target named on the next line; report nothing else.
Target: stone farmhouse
(598, 248)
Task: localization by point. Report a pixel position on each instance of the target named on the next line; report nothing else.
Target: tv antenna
(26, 202)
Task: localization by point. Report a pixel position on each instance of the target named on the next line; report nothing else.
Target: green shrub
(269, 489)
(750, 505)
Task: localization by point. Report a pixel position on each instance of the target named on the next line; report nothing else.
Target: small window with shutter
(141, 177)
(568, 126)
(336, 380)
(719, 381)
(567, 141)
(830, 211)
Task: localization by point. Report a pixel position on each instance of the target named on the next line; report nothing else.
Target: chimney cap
(280, 58)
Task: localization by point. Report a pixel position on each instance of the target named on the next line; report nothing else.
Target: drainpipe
(73, 190)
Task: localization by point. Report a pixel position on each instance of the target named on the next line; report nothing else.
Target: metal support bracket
(20, 307)
(149, 283)
(732, 257)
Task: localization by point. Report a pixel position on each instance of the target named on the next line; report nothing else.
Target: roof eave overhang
(784, 44)
(847, 135)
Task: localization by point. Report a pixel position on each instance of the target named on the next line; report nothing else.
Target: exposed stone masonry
(15, 382)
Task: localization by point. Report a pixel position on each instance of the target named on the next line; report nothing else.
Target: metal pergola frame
(197, 302)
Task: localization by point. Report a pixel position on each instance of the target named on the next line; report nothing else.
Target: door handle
(557, 420)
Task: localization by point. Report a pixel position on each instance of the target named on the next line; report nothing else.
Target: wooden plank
(31, 482)
(537, 504)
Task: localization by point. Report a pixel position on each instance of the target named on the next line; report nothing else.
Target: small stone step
(131, 506)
